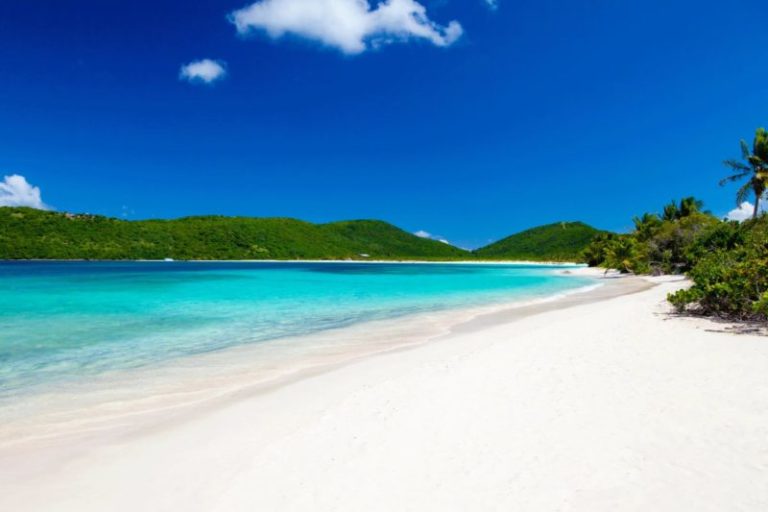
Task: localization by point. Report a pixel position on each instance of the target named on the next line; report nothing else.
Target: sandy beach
(610, 404)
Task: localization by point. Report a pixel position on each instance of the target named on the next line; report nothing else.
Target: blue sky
(482, 122)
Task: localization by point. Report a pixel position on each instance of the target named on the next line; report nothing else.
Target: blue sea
(65, 323)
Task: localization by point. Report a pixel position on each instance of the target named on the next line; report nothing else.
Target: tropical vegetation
(727, 261)
(561, 241)
(754, 169)
(34, 234)
(730, 276)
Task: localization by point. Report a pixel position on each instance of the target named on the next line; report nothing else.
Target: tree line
(727, 260)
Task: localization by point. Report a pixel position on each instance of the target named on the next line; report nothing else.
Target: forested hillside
(34, 234)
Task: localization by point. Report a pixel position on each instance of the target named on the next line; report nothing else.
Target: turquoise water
(65, 322)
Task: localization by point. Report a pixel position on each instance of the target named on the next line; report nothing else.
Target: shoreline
(600, 405)
(404, 262)
(184, 387)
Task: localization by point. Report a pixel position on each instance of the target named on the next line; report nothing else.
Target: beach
(313, 256)
(605, 404)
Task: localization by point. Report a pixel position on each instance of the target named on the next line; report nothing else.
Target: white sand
(610, 406)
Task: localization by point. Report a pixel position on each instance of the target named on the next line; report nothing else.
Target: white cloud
(426, 234)
(16, 191)
(493, 4)
(205, 71)
(351, 26)
(744, 211)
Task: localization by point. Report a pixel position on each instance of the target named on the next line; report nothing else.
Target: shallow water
(70, 322)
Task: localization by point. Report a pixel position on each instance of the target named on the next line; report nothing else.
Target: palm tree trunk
(757, 205)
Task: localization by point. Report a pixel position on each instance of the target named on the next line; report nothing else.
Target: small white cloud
(351, 26)
(745, 211)
(16, 191)
(426, 234)
(203, 71)
(493, 4)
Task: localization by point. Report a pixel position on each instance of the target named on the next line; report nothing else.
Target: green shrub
(660, 245)
(625, 254)
(668, 248)
(595, 253)
(730, 281)
(725, 235)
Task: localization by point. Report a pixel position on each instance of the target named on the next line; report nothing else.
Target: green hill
(562, 241)
(33, 234)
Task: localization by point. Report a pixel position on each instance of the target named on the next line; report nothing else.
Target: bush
(722, 235)
(731, 280)
(727, 261)
(668, 247)
(595, 253)
(626, 254)
(658, 245)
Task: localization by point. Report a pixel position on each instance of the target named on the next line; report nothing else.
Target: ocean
(65, 324)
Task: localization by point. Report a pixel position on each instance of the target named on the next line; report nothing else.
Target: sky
(465, 120)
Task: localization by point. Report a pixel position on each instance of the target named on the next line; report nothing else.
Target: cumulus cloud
(744, 211)
(351, 26)
(203, 71)
(426, 234)
(15, 190)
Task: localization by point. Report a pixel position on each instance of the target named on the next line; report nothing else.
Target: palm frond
(689, 206)
(745, 152)
(735, 177)
(737, 166)
(760, 146)
(671, 211)
(743, 193)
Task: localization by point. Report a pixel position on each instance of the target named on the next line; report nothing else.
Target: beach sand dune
(607, 406)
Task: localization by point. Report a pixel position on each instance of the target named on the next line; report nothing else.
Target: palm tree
(755, 169)
(671, 211)
(620, 254)
(687, 207)
(690, 206)
(646, 226)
